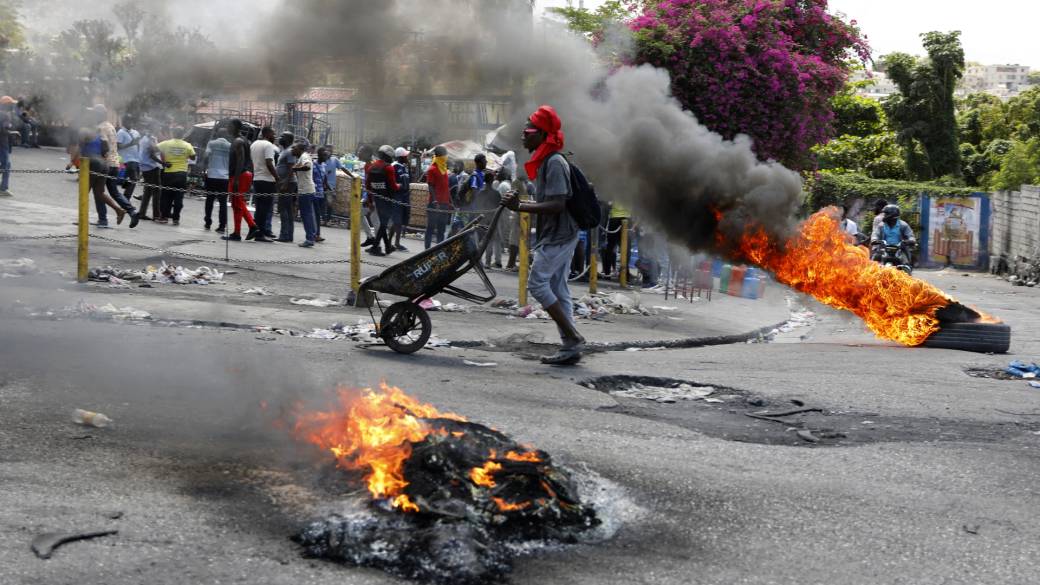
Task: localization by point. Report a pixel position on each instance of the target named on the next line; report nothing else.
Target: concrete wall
(1016, 228)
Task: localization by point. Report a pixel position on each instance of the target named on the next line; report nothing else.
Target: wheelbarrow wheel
(405, 327)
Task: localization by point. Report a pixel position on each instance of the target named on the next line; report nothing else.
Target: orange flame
(373, 432)
(484, 476)
(821, 262)
(509, 506)
(529, 457)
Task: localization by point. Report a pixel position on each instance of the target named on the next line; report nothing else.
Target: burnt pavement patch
(739, 415)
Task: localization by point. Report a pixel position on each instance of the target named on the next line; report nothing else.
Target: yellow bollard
(83, 256)
(525, 254)
(593, 260)
(623, 274)
(355, 235)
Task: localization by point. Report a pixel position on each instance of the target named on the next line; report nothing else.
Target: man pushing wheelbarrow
(406, 327)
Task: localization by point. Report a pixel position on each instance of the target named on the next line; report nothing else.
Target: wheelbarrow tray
(430, 272)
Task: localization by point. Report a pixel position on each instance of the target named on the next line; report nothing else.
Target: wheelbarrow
(405, 326)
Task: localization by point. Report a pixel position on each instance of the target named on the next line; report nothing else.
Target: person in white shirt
(217, 158)
(306, 191)
(128, 142)
(265, 179)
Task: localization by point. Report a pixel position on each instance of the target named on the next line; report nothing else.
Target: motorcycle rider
(892, 231)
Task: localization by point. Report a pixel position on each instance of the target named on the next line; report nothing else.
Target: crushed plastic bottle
(90, 419)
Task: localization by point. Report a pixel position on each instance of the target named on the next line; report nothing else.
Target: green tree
(130, 16)
(594, 23)
(12, 34)
(924, 111)
(878, 156)
(1023, 114)
(855, 115)
(1021, 166)
(1034, 78)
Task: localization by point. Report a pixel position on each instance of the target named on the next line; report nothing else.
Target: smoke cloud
(625, 130)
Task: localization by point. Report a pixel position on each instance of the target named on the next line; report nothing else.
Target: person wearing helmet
(381, 183)
(892, 231)
(403, 197)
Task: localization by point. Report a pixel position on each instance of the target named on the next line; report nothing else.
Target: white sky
(993, 32)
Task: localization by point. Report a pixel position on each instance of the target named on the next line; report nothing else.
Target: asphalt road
(208, 489)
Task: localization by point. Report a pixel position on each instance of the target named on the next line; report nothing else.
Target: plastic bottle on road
(90, 419)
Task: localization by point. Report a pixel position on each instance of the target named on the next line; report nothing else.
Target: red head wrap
(546, 120)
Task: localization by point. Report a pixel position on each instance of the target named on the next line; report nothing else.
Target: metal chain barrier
(229, 259)
(429, 210)
(44, 237)
(40, 172)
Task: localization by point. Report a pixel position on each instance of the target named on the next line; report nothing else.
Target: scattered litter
(17, 267)
(511, 304)
(258, 291)
(665, 309)
(664, 394)
(90, 419)
(480, 364)
(1035, 384)
(454, 308)
(971, 528)
(164, 274)
(45, 544)
(633, 349)
(321, 303)
(808, 436)
(430, 304)
(323, 334)
(1023, 370)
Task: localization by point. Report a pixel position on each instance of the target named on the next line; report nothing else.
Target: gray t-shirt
(554, 180)
(286, 161)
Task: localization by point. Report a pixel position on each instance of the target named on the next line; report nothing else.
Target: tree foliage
(924, 111)
(878, 156)
(766, 68)
(130, 17)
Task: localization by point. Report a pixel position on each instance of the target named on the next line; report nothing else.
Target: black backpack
(583, 205)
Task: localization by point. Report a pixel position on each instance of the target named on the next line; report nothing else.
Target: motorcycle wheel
(977, 337)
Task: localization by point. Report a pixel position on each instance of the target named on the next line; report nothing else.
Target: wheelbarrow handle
(486, 240)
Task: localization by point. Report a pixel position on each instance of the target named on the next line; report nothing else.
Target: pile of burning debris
(452, 501)
(164, 274)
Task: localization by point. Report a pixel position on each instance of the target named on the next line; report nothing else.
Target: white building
(1000, 80)
(878, 84)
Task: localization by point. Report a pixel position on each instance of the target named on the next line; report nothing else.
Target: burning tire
(978, 337)
(405, 327)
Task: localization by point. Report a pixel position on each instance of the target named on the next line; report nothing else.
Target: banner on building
(956, 231)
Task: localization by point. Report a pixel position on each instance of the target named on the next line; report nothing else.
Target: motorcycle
(897, 257)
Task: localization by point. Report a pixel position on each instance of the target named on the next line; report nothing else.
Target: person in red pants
(241, 179)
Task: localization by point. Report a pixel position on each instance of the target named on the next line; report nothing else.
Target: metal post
(525, 243)
(355, 235)
(83, 256)
(594, 260)
(623, 273)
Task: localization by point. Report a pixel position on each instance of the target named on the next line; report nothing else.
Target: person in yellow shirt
(610, 253)
(176, 155)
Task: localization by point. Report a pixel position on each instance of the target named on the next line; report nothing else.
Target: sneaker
(135, 218)
(161, 220)
(376, 251)
(102, 225)
(262, 238)
(368, 242)
(253, 232)
(176, 222)
(270, 236)
(207, 226)
(119, 217)
(6, 194)
(401, 248)
(307, 244)
(319, 239)
(233, 238)
(220, 230)
(498, 265)
(283, 240)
